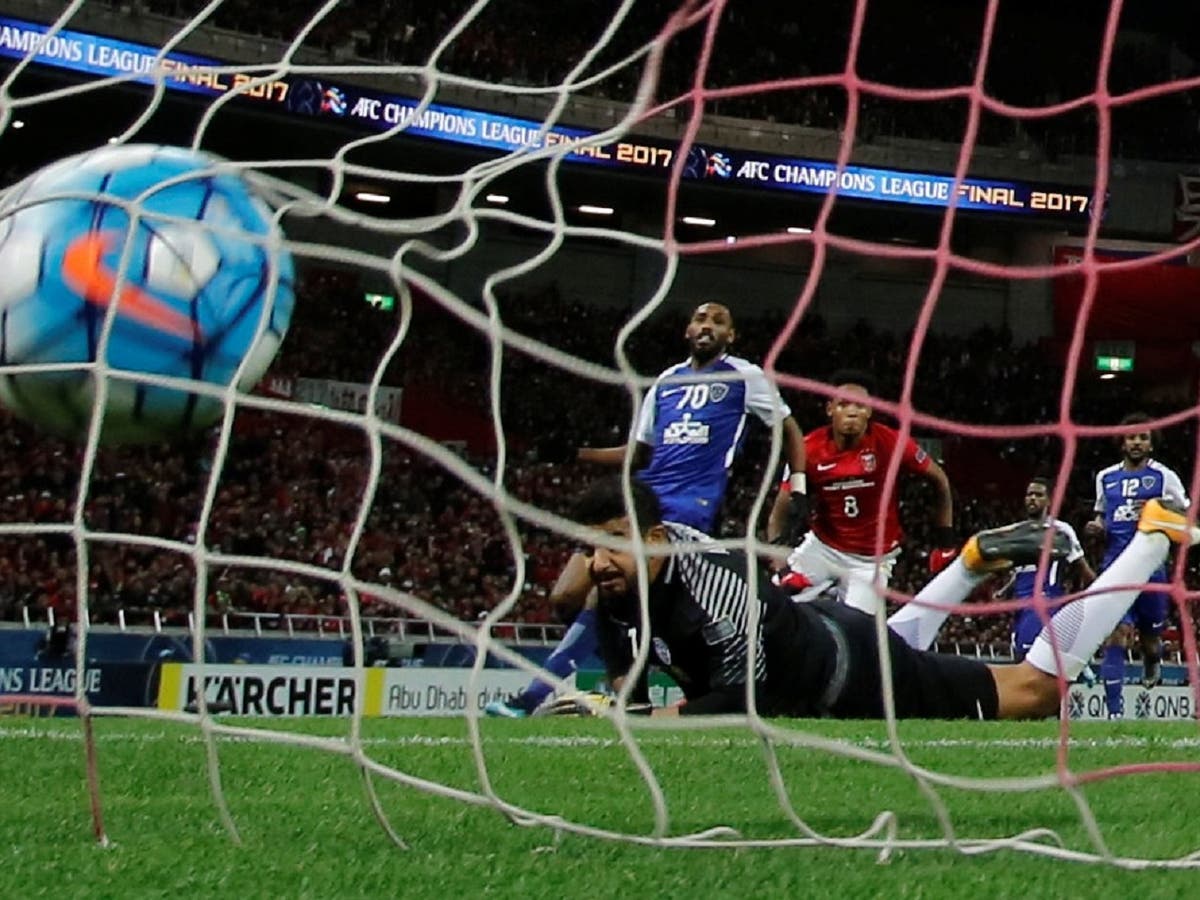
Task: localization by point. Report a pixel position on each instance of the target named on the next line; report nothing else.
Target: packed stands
(291, 489)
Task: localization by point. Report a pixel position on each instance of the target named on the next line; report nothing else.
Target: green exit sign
(1114, 363)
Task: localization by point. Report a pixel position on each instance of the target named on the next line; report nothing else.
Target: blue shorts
(695, 512)
(1026, 627)
(1148, 614)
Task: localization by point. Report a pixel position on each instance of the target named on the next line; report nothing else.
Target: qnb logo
(1075, 705)
(685, 431)
(1141, 706)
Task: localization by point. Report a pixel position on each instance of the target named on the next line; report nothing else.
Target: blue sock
(1112, 673)
(577, 645)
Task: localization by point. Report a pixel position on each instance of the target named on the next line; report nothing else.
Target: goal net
(523, 213)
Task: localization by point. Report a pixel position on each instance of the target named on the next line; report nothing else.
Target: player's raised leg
(1030, 688)
(919, 620)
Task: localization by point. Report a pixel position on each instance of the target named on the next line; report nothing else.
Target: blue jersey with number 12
(695, 420)
(1120, 495)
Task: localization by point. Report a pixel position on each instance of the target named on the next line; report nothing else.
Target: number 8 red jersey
(845, 487)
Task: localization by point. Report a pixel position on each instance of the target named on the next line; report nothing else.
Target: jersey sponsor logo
(825, 467)
(685, 431)
(868, 461)
(1129, 511)
(850, 485)
(718, 392)
(661, 650)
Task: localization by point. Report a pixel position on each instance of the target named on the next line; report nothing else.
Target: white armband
(799, 483)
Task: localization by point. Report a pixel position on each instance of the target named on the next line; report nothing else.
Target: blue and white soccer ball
(188, 253)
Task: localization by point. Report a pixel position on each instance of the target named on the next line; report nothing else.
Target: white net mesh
(657, 72)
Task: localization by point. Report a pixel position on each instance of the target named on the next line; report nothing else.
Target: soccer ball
(187, 253)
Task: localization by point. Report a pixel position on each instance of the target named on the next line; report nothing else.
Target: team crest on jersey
(662, 651)
(1148, 482)
(718, 392)
(868, 461)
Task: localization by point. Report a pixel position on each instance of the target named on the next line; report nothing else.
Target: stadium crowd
(292, 487)
(1035, 60)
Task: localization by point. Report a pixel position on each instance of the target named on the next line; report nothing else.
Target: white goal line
(26, 732)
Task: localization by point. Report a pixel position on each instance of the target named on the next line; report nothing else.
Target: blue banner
(106, 684)
(890, 185)
(96, 55)
(374, 110)
(27, 645)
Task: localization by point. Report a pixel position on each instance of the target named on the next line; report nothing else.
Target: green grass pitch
(307, 829)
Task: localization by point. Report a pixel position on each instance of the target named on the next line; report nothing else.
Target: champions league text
(305, 96)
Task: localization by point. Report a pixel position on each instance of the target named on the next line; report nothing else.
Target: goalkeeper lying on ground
(822, 658)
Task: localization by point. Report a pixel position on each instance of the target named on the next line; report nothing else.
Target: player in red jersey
(847, 462)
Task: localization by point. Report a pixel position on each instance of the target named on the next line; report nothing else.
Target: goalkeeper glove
(945, 549)
(797, 512)
(793, 582)
(590, 703)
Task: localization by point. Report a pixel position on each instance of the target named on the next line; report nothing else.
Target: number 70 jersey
(695, 421)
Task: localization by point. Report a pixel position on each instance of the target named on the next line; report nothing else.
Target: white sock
(1081, 627)
(918, 624)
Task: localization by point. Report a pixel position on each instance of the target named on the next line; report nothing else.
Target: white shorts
(860, 579)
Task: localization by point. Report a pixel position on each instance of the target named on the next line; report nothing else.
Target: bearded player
(691, 427)
(847, 462)
(1028, 622)
(1122, 490)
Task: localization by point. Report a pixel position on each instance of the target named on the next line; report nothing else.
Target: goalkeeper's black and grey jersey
(813, 659)
(700, 634)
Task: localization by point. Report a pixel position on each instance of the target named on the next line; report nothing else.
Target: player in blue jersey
(690, 429)
(1028, 623)
(1122, 490)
